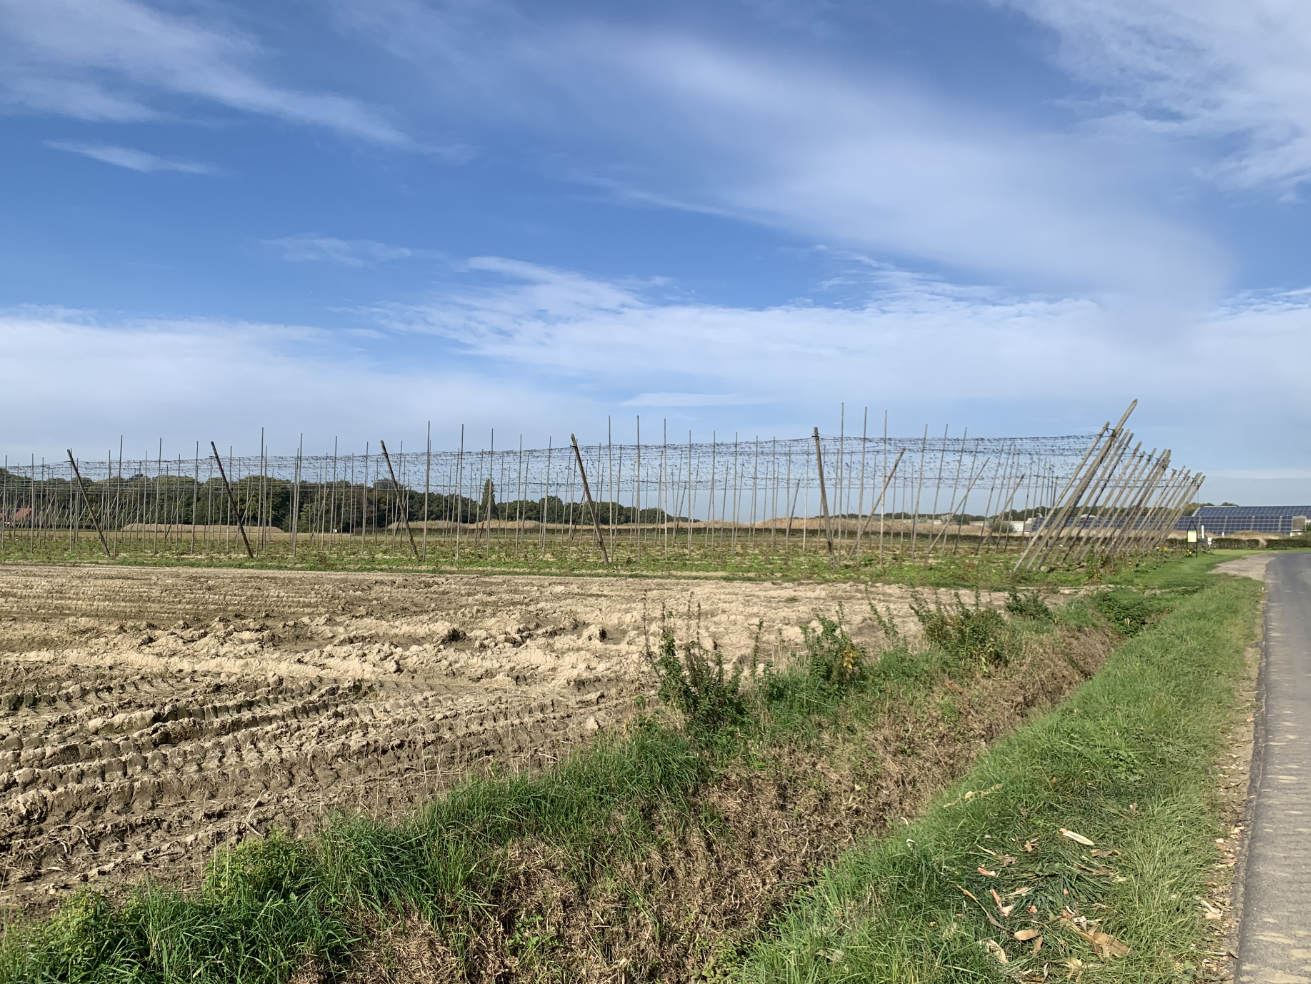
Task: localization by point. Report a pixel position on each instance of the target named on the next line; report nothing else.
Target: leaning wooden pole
(1093, 472)
(405, 510)
(1132, 532)
(587, 492)
(960, 506)
(1057, 504)
(887, 480)
(1143, 484)
(1121, 495)
(1103, 482)
(823, 497)
(232, 500)
(90, 506)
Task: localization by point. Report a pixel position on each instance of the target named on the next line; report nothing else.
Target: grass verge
(662, 846)
(991, 885)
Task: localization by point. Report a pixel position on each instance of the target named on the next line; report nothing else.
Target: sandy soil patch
(1253, 567)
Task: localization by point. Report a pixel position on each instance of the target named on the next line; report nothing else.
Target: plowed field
(147, 715)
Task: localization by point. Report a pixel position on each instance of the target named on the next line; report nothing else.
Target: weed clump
(834, 660)
(698, 684)
(1128, 610)
(1028, 605)
(967, 634)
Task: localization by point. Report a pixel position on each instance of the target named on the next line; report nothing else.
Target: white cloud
(70, 97)
(829, 151)
(914, 340)
(200, 379)
(518, 346)
(99, 60)
(1199, 68)
(130, 158)
(308, 247)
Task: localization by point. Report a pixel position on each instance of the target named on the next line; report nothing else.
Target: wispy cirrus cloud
(1236, 72)
(909, 338)
(112, 59)
(833, 151)
(131, 158)
(313, 248)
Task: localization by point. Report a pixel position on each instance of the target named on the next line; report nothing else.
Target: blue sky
(348, 217)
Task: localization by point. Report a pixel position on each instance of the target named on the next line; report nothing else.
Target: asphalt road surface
(1275, 934)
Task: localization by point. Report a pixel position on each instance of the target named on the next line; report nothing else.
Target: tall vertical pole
(427, 484)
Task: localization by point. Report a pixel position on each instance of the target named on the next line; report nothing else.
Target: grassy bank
(1076, 848)
(664, 846)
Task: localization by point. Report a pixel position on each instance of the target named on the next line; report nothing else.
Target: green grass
(1176, 572)
(751, 558)
(1127, 762)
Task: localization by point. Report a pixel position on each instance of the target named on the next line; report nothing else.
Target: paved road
(1275, 935)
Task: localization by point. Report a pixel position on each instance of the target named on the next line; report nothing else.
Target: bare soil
(148, 715)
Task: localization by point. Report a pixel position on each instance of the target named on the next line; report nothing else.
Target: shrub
(699, 685)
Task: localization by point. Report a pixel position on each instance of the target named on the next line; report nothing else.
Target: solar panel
(1220, 520)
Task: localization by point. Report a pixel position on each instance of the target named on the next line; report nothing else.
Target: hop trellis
(845, 490)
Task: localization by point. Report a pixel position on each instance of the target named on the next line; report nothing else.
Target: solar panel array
(1220, 520)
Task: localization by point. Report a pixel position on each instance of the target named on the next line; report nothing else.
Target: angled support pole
(405, 512)
(591, 506)
(232, 500)
(90, 506)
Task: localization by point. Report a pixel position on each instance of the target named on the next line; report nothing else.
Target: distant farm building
(1223, 520)
(15, 517)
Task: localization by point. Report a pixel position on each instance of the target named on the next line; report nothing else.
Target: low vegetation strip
(1077, 848)
(663, 851)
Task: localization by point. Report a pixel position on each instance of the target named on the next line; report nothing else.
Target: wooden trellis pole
(90, 506)
(823, 496)
(405, 510)
(232, 501)
(878, 503)
(587, 491)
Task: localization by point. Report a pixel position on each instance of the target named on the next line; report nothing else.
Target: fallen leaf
(1037, 945)
(1024, 935)
(1105, 944)
(995, 949)
(1077, 838)
(985, 871)
(1005, 910)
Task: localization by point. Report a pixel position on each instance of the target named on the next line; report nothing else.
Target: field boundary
(1110, 846)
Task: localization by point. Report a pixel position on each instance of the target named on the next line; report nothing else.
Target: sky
(346, 218)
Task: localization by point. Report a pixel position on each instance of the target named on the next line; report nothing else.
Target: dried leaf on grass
(1077, 838)
(1106, 945)
(1024, 935)
(995, 949)
(1005, 910)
